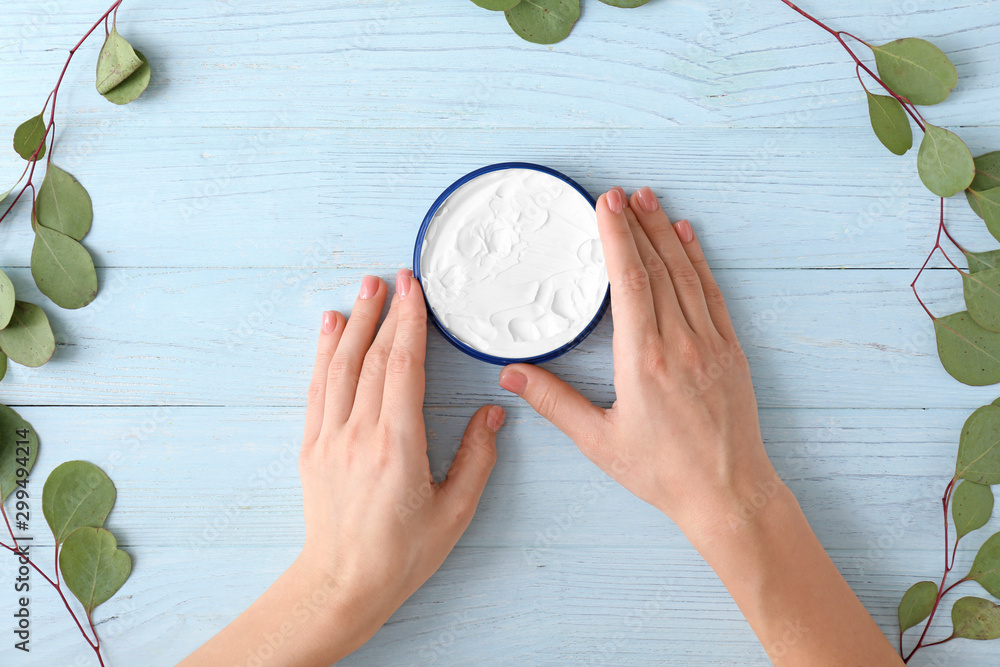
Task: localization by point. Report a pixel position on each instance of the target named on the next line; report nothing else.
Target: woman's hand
(683, 433)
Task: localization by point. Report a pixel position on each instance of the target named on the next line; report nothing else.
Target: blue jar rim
(418, 247)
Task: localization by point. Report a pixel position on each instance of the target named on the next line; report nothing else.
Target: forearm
(793, 596)
(300, 621)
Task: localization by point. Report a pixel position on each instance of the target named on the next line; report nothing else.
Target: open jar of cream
(511, 264)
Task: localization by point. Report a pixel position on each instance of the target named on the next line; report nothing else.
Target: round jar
(511, 264)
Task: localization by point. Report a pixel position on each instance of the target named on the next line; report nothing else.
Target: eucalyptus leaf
(627, 4)
(18, 449)
(62, 269)
(28, 136)
(890, 122)
(3, 365)
(916, 605)
(986, 204)
(916, 69)
(497, 5)
(987, 172)
(6, 300)
(982, 297)
(975, 618)
(543, 21)
(76, 494)
(970, 353)
(981, 261)
(93, 566)
(63, 204)
(116, 62)
(944, 161)
(7, 193)
(28, 338)
(971, 507)
(132, 87)
(979, 447)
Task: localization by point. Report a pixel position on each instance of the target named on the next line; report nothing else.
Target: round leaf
(982, 297)
(116, 62)
(979, 447)
(3, 365)
(497, 5)
(627, 4)
(62, 269)
(986, 567)
(132, 87)
(916, 69)
(6, 300)
(28, 338)
(971, 508)
(28, 136)
(986, 204)
(543, 21)
(18, 440)
(76, 494)
(981, 261)
(916, 604)
(970, 353)
(891, 125)
(987, 172)
(93, 566)
(63, 204)
(975, 618)
(944, 162)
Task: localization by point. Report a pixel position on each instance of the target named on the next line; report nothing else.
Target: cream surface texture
(511, 263)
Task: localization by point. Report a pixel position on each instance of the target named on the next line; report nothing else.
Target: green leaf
(987, 172)
(62, 269)
(28, 338)
(5, 194)
(971, 507)
(970, 353)
(18, 440)
(986, 568)
(891, 125)
(986, 204)
(982, 297)
(132, 87)
(28, 136)
(6, 300)
(627, 4)
(916, 69)
(975, 618)
(979, 447)
(76, 494)
(944, 162)
(63, 204)
(3, 365)
(93, 566)
(917, 603)
(497, 5)
(981, 261)
(116, 62)
(543, 21)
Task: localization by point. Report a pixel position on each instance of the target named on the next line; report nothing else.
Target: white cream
(512, 264)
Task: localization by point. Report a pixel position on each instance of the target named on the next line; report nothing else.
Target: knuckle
(547, 402)
(656, 269)
(633, 280)
(689, 350)
(340, 367)
(400, 361)
(317, 391)
(654, 360)
(686, 276)
(375, 360)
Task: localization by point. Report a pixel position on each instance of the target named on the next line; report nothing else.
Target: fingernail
(403, 283)
(495, 418)
(329, 322)
(514, 382)
(615, 201)
(684, 231)
(647, 200)
(621, 191)
(369, 285)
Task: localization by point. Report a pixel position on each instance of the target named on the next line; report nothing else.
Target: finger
(371, 380)
(631, 297)
(403, 402)
(474, 460)
(331, 329)
(664, 298)
(685, 279)
(567, 409)
(713, 295)
(345, 367)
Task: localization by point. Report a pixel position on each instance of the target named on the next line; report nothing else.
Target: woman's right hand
(683, 433)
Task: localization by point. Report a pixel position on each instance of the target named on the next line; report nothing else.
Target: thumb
(553, 399)
(475, 457)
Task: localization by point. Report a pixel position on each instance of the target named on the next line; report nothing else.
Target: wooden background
(284, 149)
